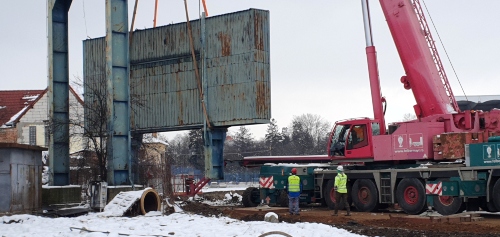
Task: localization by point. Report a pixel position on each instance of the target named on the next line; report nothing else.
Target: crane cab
(352, 139)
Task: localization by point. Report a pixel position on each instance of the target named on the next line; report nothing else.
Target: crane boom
(424, 73)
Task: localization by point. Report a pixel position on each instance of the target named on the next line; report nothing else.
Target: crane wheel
(488, 206)
(329, 195)
(411, 197)
(496, 195)
(283, 198)
(250, 197)
(365, 195)
(448, 205)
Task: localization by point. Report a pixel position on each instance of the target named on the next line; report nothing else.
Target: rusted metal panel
(450, 146)
(163, 86)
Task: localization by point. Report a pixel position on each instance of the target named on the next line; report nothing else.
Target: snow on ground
(177, 224)
(156, 224)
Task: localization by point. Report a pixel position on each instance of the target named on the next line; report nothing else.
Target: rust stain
(262, 106)
(225, 40)
(258, 34)
(452, 144)
(180, 121)
(166, 40)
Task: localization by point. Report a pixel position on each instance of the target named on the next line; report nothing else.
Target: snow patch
(122, 202)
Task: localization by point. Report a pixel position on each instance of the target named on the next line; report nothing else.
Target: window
(357, 137)
(375, 129)
(32, 135)
(337, 144)
(47, 136)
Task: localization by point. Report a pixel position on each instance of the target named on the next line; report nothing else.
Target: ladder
(435, 55)
(385, 188)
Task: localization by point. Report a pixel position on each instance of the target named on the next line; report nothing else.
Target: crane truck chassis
(449, 188)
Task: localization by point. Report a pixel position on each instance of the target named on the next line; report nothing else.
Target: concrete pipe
(150, 201)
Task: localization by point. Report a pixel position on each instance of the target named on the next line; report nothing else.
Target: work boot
(348, 214)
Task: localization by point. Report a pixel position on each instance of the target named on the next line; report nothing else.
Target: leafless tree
(88, 126)
(409, 117)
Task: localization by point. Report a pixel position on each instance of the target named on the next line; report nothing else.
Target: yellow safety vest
(341, 183)
(293, 184)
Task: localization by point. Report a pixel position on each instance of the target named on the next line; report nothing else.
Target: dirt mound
(370, 224)
(201, 209)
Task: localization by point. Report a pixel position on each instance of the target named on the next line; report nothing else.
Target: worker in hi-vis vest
(341, 191)
(294, 192)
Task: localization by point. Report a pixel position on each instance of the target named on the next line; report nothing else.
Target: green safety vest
(341, 183)
(293, 184)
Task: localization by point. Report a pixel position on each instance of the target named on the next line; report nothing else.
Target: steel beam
(214, 137)
(117, 82)
(58, 91)
(214, 150)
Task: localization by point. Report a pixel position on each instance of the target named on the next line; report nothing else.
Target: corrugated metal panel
(163, 85)
(20, 178)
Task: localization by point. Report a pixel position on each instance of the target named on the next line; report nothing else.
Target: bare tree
(90, 124)
(317, 128)
(409, 117)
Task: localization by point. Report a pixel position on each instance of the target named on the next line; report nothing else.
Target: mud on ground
(370, 224)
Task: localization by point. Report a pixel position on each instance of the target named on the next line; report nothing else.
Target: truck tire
(411, 197)
(496, 195)
(329, 195)
(250, 197)
(365, 195)
(488, 206)
(448, 205)
(283, 199)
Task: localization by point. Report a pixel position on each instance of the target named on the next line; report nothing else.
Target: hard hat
(340, 168)
(294, 171)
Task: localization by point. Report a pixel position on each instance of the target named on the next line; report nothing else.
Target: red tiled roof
(13, 102)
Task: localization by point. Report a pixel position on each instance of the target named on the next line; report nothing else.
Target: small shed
(20, 178)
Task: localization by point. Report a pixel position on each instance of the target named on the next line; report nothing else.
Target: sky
(318, 62)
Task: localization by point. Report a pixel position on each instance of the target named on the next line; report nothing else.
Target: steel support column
(214, 151)
(58, 91)
(215, 136)
(117, 82)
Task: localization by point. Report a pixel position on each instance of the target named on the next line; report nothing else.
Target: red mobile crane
(438, 117)
(385, 166)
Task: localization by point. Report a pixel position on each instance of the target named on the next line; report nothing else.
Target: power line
(85, 19)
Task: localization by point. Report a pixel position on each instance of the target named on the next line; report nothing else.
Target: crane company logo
(404, 143)
(416, 140)
(400, 141)
(488, 150)
(491, 153)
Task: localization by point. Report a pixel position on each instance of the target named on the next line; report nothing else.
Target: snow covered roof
(15, 103)
(148, 138)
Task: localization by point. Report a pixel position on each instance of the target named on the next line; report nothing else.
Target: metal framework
(58, 93)
(118, 90)
(435, 55)
(214, 137)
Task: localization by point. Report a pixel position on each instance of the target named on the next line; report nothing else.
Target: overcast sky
(318, 62)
